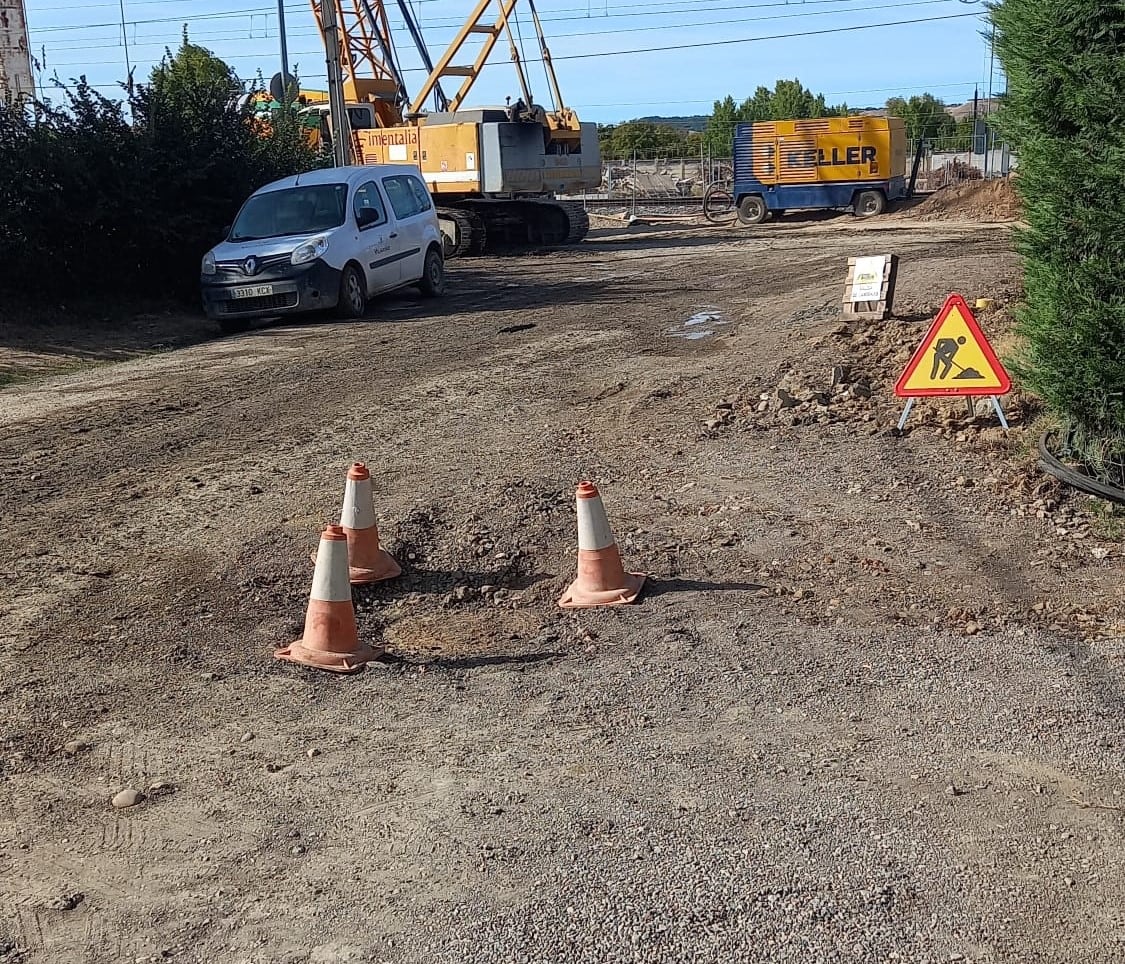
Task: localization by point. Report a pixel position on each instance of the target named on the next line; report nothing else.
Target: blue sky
(589, 40)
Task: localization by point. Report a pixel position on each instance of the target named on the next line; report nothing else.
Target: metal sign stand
(905, 413)
(970, 402)
(999, 411)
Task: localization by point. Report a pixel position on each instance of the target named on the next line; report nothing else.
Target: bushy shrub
(124, 197)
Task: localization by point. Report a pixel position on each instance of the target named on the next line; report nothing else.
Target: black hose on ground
(718, 205)
(1050, 464)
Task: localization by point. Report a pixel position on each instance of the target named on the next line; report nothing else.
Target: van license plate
(256, 291)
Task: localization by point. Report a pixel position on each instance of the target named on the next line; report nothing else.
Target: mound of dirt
(993, 200)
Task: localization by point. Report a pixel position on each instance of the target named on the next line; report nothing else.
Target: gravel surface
(870, 706)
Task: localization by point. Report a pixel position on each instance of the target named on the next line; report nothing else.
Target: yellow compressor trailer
(828, 162)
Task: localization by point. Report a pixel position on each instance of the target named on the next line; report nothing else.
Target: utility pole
(337, 112)
(634, 182)
(988, 110)
(284, 53)
(125, 43)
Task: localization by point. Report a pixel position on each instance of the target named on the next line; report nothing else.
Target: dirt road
(869, 709)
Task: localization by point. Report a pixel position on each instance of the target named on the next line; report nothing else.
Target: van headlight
(310, 251)
(208, 267)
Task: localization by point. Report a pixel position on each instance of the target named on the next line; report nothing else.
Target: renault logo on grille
(250, 266)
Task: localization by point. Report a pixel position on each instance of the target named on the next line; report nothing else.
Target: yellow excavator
(494, 172)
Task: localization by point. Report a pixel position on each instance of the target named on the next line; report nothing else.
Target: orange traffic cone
(330, 641)
(602, 580)
(368, 560)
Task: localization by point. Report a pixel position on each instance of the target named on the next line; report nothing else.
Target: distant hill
(694, 123)
(698, 122)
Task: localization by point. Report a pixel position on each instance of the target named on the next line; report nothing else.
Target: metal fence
(660, 177)
(651, 177)
(954, 160)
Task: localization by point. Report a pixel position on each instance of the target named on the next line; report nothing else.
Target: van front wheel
(353, 293)
(752, 210)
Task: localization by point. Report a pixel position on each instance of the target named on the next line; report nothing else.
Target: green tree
(924, 116)
(791, 100)
(787, 100)
(964, 128)
(759, 107)
(1062, 116)
(719, 132)
(646, 137)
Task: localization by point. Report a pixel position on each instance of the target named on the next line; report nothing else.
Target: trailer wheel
(752, 210)
(868, 204)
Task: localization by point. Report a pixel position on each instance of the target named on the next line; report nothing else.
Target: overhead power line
(454, 24)
(776, 36)
(905, 89)
(143, 40)
(684, 46)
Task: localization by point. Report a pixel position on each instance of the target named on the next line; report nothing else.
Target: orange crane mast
(494, 171)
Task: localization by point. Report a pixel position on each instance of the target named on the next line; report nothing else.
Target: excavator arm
(482, 21)
(493, 19)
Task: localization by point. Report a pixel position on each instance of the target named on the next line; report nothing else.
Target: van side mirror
(227, 230)
(366, 216)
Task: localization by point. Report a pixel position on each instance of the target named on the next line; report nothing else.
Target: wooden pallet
(871, 310)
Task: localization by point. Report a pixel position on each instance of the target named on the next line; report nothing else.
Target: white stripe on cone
(359, 505)
(331, 575)
(593, 524)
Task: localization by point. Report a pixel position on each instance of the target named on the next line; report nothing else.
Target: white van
(326, 239)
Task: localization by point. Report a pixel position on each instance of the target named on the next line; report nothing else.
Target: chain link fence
(954, 160)
(648, 176)
(651, 176)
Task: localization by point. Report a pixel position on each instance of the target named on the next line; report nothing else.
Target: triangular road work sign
(954, 358)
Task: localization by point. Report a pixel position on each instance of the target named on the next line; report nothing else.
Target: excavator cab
(316, 121)
(382, 96)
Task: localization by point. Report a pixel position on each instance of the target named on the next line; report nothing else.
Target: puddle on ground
(700, 325)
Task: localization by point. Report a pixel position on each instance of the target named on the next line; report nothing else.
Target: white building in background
(16, 79)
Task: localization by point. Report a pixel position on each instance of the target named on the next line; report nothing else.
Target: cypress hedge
(1064, 115)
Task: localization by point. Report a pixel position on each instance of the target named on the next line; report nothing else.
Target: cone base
(578, 597)
(386, 568)
(332, 662)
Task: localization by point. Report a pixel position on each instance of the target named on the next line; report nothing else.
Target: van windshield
(295, 210)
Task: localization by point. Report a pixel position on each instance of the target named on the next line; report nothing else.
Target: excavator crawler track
(469, 232)
(523, 224)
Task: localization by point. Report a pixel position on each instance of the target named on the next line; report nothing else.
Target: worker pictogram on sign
(954, 358)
